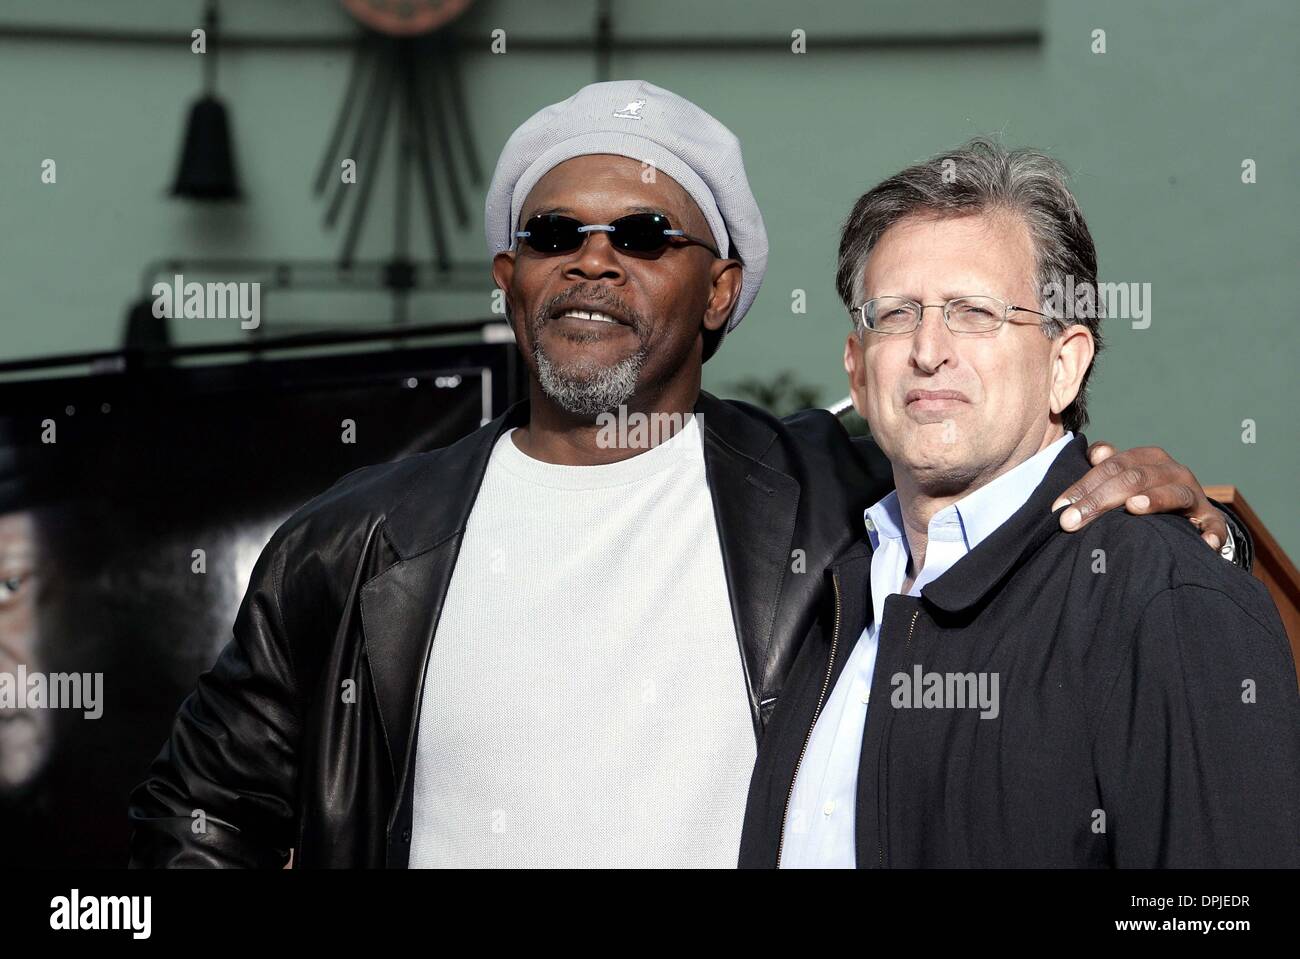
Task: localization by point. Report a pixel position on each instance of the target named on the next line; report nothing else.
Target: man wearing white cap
(554, 643)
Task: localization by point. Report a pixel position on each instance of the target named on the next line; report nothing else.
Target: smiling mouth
(593, 316)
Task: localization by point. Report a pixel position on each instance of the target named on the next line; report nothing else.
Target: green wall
(1156, 129)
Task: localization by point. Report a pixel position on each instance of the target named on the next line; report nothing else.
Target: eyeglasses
(963, 314)
(643, 233)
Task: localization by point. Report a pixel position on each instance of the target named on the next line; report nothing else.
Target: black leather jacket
(302, 735)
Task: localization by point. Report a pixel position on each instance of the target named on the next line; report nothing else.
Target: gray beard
(586, 389)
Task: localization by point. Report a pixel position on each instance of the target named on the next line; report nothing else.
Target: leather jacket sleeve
(221, 792)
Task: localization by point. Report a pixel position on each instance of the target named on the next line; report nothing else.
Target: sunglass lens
(640, 232)
(552, 233)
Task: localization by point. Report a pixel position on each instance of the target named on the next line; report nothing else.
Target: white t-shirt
(584, 703)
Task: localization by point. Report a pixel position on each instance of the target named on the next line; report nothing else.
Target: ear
(1071, 356)
(503, 274)
(855, 365)
(725, 277)
(503, 270)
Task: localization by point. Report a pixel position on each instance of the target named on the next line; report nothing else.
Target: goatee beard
(585, 388)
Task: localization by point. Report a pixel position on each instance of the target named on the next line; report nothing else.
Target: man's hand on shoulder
(1145, 479)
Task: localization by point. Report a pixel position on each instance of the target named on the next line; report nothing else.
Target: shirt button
(866, 697)
(829, 807)
(866, 521)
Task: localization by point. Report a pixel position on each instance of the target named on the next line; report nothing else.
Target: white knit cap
(644, 122)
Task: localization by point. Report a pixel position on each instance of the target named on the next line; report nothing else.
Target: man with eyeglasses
(538, 646)
(984, 689)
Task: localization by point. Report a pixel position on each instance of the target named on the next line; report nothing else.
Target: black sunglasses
(634, 233)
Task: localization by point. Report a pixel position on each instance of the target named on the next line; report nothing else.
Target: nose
(932, 341)
(596, 259)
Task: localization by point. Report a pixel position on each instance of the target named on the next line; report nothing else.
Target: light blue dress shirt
(819, 828)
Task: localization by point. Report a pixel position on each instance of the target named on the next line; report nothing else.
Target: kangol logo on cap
(631, 112)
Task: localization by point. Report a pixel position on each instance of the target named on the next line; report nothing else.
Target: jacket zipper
(821, 699)
(880, 835)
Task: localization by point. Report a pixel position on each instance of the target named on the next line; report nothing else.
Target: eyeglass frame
(588, 228)
(860, 325)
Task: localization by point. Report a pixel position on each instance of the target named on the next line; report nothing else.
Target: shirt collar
(993, 504)
(972, 518)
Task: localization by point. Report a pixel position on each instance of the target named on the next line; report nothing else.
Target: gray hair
(977, 177)
(587, 389)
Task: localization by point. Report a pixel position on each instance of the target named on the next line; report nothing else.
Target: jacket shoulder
(356, 498)
(1163, 551)
(815, 445)
(311, 559)
(377, 491)
(827, 444)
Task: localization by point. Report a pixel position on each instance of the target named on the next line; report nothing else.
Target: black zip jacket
(1147, 715)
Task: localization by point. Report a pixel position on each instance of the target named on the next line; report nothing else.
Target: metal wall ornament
(404, 18)
(207, 166)
(401, 67)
